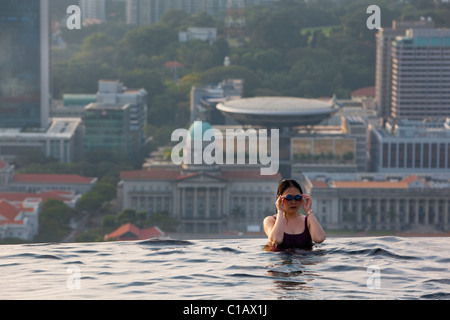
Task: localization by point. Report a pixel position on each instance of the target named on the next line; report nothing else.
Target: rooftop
(176, 174)
(276, 106)
(65, 196)
(130, 232)
(285, 111)
(52, 178)
(364, 92)
(368, 181)
(60, 128)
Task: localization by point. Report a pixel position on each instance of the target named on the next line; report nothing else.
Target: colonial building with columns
(203, 202)
(401, 202)
(204, 198)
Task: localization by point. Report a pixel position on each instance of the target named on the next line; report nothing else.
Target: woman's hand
(279, 204)
(306, 202)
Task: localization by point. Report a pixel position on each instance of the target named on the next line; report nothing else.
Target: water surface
(340, 268)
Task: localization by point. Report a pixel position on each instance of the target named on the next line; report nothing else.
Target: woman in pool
(288, 228)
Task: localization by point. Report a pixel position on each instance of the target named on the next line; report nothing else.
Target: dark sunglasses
(290, 197)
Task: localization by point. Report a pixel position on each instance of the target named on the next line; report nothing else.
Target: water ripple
(408, 268)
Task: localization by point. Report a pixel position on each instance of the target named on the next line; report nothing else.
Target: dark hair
(286, 184)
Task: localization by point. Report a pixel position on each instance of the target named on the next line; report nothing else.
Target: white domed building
(204, 198)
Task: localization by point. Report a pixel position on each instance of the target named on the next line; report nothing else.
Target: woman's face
(291, 207)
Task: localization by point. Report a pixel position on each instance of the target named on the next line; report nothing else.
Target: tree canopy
(296, 48)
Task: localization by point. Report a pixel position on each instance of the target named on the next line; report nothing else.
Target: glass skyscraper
(24, 64)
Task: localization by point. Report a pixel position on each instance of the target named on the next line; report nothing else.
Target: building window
(434, 155)
(425, 155)
(417, 155)
(393, 155)
(150, 204)
(401, 155)
(385, 155)
(448, 155)
(409, 155)
(442, 155)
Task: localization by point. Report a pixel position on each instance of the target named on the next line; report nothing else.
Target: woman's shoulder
(270, 219)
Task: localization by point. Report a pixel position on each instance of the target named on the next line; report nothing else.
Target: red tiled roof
(151, 233)
(2, 164)
(248, 174)
(8, 210)
(11, 222)
(370, 184)
(319, 184)
(402, 184)
(162, 174)
(130, 232)
(364, 92)
(21, 196)
(173, 64)
(410, 178)
(51, 178)
(167, 174)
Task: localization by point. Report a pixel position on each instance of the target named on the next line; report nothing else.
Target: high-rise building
(26, 128)
(383, 76)
(147, 12)
(117, 121)
(106, 130)
(421, 75)
(24, 64)
(93, 9)
(410, 146)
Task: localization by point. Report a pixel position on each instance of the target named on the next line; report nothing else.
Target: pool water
(339, 268)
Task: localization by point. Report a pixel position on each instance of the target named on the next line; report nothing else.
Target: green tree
(126, 216)
(106, 190)
(97, 41)
(217, 74)
(279, 29)
(162, 220)
(148, 40)
(54, 219)
(90, 201)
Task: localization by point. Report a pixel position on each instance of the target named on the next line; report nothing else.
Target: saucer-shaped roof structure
(278, 111)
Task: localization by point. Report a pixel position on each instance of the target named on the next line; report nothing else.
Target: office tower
(116, 123)
(383, 80)
(421, 75)
(24, 64)
(147, 12)
(106, 130)
(144, 12)
(410, 146)
(93, 9)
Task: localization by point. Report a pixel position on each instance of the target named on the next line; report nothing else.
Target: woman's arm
(274, 228)
(314, 227)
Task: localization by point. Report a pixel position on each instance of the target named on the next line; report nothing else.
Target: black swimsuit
(302, 240)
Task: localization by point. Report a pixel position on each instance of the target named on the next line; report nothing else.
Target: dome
(198, 126)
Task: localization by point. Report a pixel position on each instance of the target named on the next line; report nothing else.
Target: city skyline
(119, 115)
(25, 64)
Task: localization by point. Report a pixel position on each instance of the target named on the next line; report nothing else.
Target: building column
(378, 218)
(220, 210)
(436, 212)
(183, 203)
(358, 217)
(446, 213)
(195, 209)
(407, 211)
(207, 213)
(427, 202)
(416, 218)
